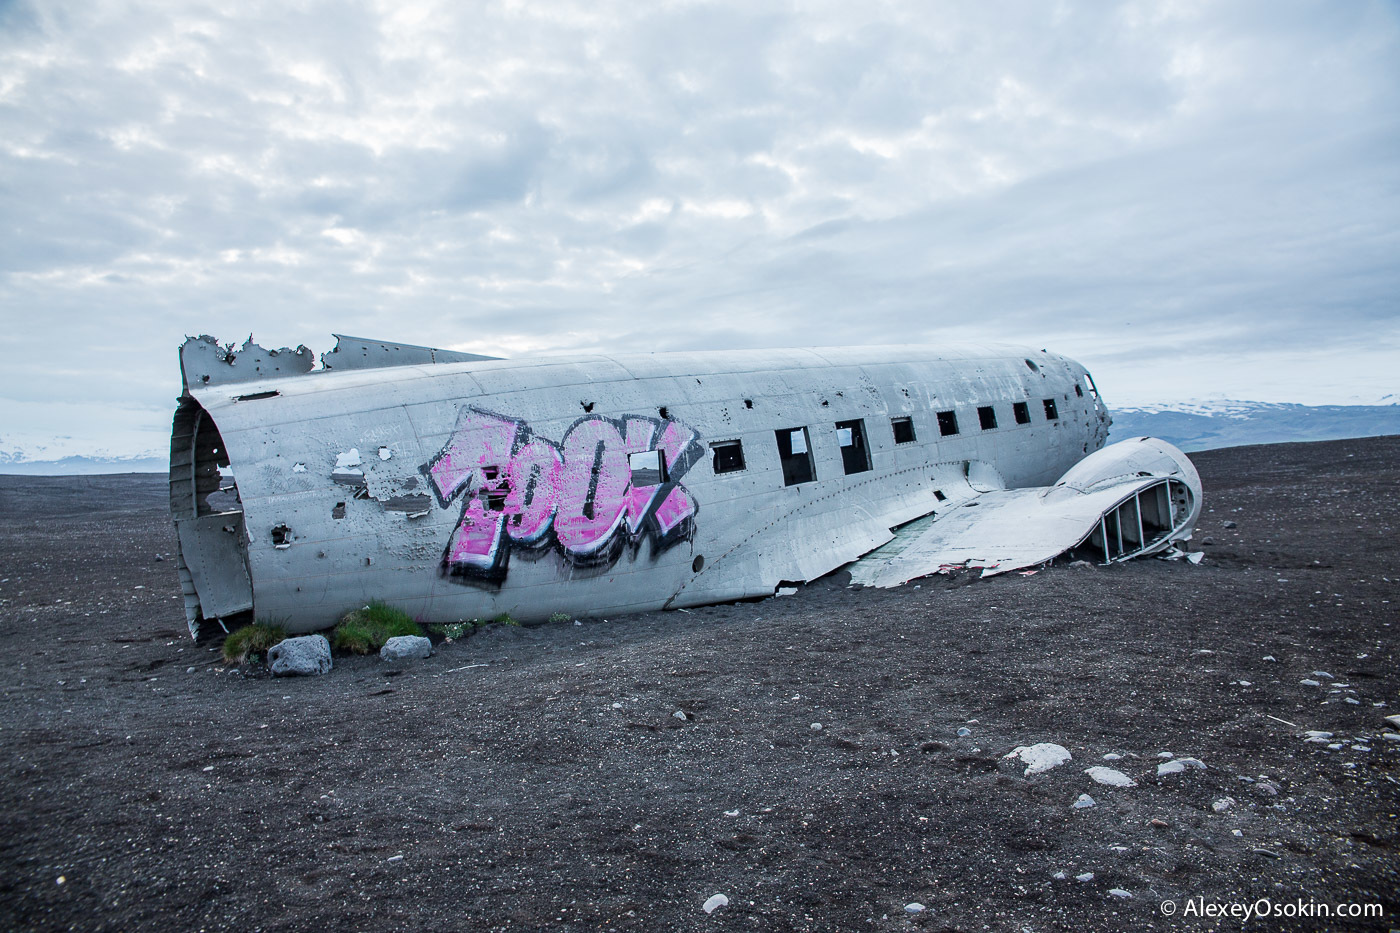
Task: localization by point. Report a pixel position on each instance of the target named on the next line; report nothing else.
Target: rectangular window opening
(727, 456)
(1022, 411)
(947, 423)
(903, 430)
(796, 455)
(648, 468)
(855, 455)
(988, 416)
(1051, 412)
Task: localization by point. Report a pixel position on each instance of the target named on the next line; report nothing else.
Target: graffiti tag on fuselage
(575, 496)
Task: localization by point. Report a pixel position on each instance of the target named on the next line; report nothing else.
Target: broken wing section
(1130, 499)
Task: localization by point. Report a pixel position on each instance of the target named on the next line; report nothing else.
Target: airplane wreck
(458, 486)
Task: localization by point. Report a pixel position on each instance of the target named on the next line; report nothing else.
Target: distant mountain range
(15, 461)
(1193, 425)
(1205, 425)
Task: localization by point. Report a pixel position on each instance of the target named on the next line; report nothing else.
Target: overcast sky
(1195, 199)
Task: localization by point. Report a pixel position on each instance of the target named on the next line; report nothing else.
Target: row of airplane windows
(795, 449)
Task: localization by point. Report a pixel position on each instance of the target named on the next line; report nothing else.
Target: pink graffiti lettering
(523, 490)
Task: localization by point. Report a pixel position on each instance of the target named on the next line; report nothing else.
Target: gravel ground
(541, 779)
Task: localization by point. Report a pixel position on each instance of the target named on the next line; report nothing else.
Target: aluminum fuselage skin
(319, 542)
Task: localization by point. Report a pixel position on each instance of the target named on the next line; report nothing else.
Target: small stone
(1180, 765)
(1059, 876)
(394, 858)
(964, 732)
(1237, 832)
(1335, 746)
(61, 880)
(1084, 802)
(1309, 682)
(1080, 565)
(1269, 657)
(1394, 721)
(1158, 823)
(1323, 674)
(1112, 756)
(1040, 757)
(1230, 524)
(914, 908)
(1245, 683)
(406, 647)
(1165, 755)
(1223, 804)
(1110, 777)
(679, 714)
(1353, 701)
(617, 706)
(1361, 748)
(715, 902)
(1268, 788)
(731, 813)
(189, 670)
(1118, 892)
(159, 558)
(1391, 736)
(816, 727)
(1086, 877)
(308, 654)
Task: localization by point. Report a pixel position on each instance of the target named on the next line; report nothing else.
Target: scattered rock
(406, 647)
(1112, 756)
(1394, 721)
(1268, 788)
(1080, 565)
(816, 727)
(159, 558)
(1040, 757)
(1059, 876)
(1180, 765)
(1391, 736)
(1084, 802)
(1309, 682)
(308, 654)
(964, 732)
(679, 714)
(914, 908)
(1315, 736)
(1110, 777)
(1086, 877)
(1323, 674)
(1118, 892)
(1165, 755)
(715, 902)
(1230, 524)
(1158, 823)
(1223, 804)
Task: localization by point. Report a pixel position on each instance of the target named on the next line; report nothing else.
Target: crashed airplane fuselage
(461, 487)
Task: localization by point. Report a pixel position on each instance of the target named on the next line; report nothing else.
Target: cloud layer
(1194, 199)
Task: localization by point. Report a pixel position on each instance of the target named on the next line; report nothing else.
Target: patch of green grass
(504, 619)
(365, 630)
(560, 617)
(251, 641)
(453, 631)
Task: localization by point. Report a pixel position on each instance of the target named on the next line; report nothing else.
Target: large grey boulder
(405, 647)
(309, 654)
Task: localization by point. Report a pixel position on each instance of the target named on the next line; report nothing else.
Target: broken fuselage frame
(457, 487)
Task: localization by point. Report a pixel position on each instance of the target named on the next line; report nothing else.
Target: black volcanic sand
(538, 779)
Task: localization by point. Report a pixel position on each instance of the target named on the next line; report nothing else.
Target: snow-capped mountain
(1202, 425)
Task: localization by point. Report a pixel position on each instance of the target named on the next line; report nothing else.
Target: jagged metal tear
(205, 362)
